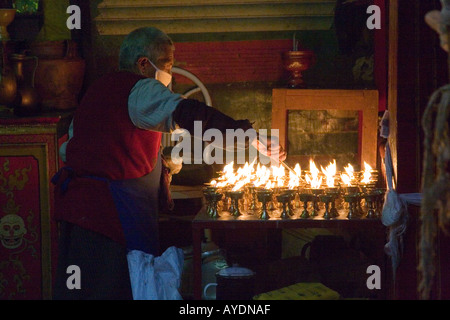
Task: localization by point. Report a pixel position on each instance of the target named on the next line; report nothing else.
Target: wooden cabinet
(363, 101)
(28, 160)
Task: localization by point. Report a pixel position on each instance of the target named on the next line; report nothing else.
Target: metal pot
(59, 81)
(233, 283)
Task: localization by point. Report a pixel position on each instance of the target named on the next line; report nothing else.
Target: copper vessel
(59, 80)
(6, 17)
(27, 100)
(8, 84)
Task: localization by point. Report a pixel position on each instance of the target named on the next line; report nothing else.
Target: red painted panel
(20, 247)
(233, 61)
(28, 282)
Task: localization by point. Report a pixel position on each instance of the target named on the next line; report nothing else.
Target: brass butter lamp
(6, 17)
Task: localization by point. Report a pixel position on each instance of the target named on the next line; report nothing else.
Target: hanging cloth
(395, 214)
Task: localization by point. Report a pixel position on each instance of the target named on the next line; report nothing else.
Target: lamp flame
(298, 170)
(269, 185)
(258, 175)
(239, 185)
(313, 179)
(278, 174)
(367, 175)
(330, 173)
(349, 176)
(350, 171)
(294, 177)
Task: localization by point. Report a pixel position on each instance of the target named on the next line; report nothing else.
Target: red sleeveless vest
(106, 143)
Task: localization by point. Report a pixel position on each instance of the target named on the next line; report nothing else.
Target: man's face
(163, 62)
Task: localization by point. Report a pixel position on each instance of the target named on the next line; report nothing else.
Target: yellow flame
(228, 172)
(312, 168)
(314, 180)
(269, 185)
(239, 185)
(346, 179)
(278, 174)
(246, 170)
(298, 170)
(293, 182)
(229, 168)
(350, 171)
(330, 173)
(349, 176)
(294, 177)
(367, 175)
(262, 175)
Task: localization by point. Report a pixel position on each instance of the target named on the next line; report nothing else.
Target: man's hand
(173, 164)
(270, 147)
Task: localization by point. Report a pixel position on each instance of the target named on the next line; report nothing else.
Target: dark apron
(137, 202)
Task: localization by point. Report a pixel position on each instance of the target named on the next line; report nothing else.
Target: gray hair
(143, 42)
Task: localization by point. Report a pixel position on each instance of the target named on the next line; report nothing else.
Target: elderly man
(108, 194)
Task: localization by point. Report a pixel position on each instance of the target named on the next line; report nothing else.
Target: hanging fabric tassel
(395, 214)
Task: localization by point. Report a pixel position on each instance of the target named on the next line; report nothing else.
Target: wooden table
(226, 221)
(186, 192)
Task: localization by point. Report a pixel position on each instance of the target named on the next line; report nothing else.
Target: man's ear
(143, 65)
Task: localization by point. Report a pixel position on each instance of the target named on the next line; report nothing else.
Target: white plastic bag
(156, 278)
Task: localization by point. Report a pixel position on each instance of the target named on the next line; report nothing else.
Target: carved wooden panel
(28, 159)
